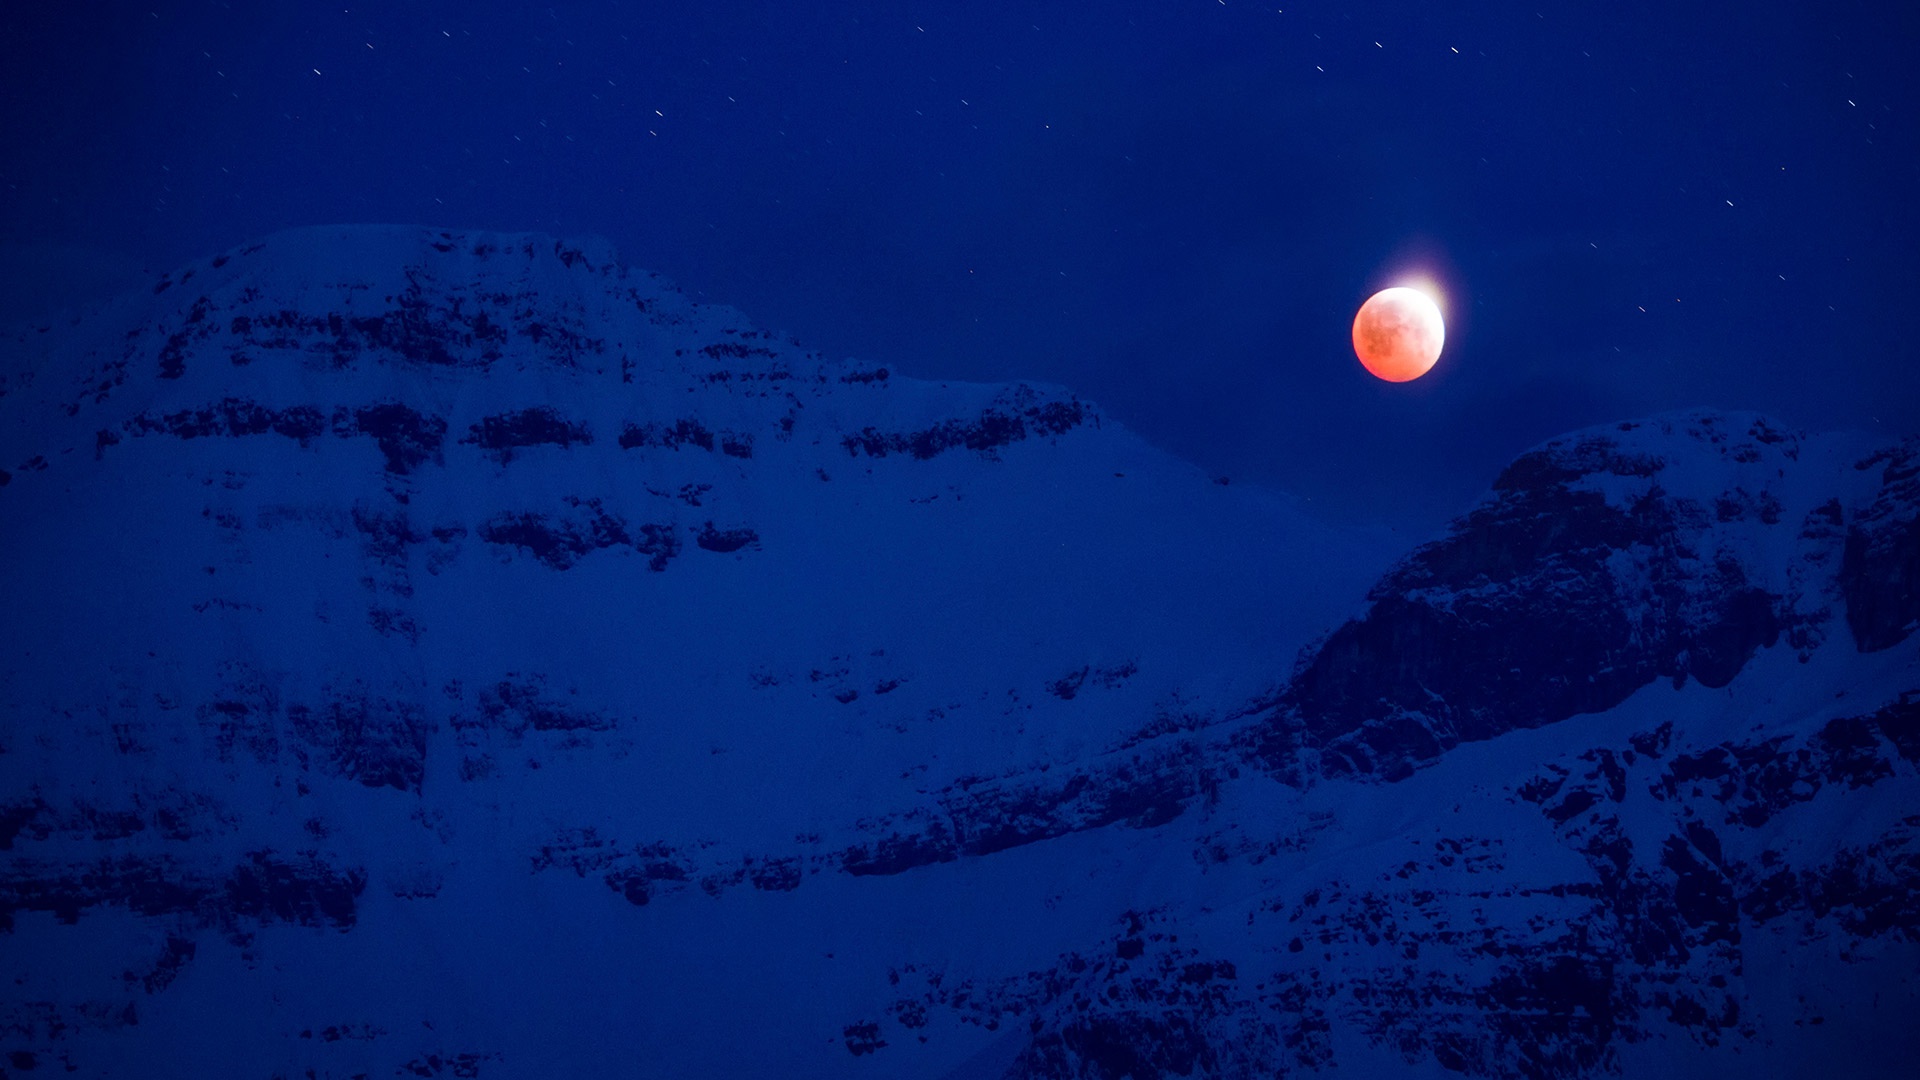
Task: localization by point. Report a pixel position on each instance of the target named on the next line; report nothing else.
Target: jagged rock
(1880, 574)
(1599, 563)
(351, 656)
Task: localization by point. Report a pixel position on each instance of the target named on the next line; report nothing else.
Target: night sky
(1173, 207)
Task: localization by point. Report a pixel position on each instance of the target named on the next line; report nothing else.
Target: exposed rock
(680, 433)
(1880, 573)
(376, 741)
(940, 735)
(542, 425)
(264, 887)
(1010, 420)
(1581, 579)
(561, 540)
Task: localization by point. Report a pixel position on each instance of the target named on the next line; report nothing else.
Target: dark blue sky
(1173, 207)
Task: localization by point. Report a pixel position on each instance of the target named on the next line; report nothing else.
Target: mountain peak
(1669, 548)
(394, 610)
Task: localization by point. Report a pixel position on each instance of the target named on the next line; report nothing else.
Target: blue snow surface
(439, 652)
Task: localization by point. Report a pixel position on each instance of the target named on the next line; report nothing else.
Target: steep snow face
(547, 482)
(354, 568)
(453, 653)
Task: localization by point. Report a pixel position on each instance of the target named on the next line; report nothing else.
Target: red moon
(1398, 333)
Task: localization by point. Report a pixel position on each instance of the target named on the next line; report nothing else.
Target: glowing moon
(1398, 333)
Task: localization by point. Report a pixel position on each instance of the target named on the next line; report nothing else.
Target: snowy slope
(454, 653)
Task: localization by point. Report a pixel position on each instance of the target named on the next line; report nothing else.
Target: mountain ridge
(450, 606)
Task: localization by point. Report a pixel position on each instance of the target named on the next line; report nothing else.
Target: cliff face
(438, 652)
(1880, 574)
(1672, 549)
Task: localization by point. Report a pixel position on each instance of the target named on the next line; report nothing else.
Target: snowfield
(434, 653)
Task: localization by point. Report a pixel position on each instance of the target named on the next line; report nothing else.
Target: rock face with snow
(1880, 575)
(1601, 562)
(447, 653)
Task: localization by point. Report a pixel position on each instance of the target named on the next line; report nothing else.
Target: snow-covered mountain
(437, 653)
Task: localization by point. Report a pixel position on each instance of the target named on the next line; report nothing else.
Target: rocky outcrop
(406, 438)
(1880, 574)
(1598, 564)
(1010, 419)
(561, 540)
(432, 606)
(1462, 950)
(263, 887)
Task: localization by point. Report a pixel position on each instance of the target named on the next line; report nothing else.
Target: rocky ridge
(425, 603)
